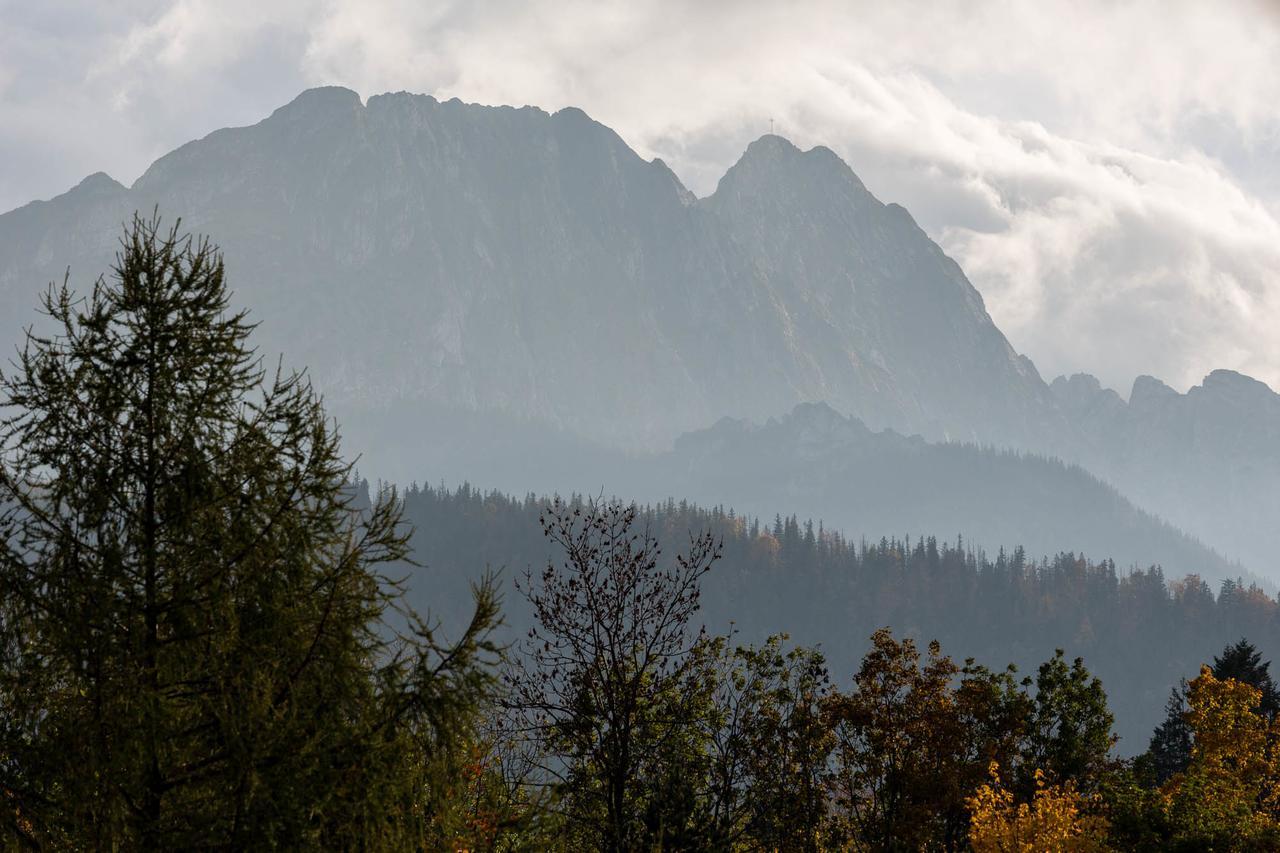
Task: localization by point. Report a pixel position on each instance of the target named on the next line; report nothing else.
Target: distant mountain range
(1207, 460)
(817, 463)
(443, 266)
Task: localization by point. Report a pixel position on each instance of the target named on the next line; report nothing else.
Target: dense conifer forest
(1139, 631)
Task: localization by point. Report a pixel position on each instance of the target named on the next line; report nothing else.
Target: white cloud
(1103, 171)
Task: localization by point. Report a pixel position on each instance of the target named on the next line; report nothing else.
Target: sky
(1105, 173)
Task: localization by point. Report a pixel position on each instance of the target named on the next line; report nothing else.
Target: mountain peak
(322, 100)
(771, 144)
(1229, 386)
(817, 412)
(1233, 380)
(772, 159)
(1148, 389)
(98, 182)
(1078, 383)
(1082, 393)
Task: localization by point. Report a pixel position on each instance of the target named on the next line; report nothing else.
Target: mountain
(819, 464)
(475, 285)
(473, 258)
(1207, 460)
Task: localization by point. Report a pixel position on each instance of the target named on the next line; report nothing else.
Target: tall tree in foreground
(769, 740)
(1229, 797)
(913, 740)
(1069, 736)
(194, 647)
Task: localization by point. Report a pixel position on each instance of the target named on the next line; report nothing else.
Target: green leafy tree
(195, 639)
(769, 737)
(1069, 735)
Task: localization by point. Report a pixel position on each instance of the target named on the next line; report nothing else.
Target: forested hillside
(814, 462)
(1139, 631)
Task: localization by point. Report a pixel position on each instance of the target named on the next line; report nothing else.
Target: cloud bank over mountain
(1099, 170)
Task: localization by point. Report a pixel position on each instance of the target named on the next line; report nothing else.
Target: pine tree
(1170, 748)
(195, 645)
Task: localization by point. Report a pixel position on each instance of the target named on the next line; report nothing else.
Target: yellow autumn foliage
(1058, 819)
(1229, 795)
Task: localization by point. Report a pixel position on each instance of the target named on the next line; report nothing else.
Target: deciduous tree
(606, 684)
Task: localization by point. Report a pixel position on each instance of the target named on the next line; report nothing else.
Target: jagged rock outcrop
(1207, 460)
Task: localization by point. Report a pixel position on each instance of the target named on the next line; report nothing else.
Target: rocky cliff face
(1207, 460)
(482, 258)
(887, 325)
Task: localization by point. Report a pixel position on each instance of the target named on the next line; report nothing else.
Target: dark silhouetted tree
(607, 683)
(1170, 750)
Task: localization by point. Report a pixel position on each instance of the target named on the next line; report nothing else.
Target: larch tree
(196, 621)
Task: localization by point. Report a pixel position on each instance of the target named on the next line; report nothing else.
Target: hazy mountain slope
(1207, 460)
(502, 259)
(819, 464)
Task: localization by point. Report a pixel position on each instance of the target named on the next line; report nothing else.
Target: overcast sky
(1107, 174)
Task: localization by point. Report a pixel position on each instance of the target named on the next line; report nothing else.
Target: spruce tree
(195, 622)
(1170, 749)
(1243, 662)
